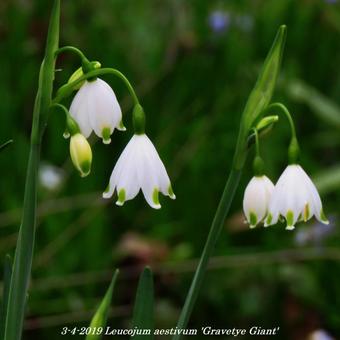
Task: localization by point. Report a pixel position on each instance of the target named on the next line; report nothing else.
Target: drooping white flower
(295, 198)
(256, 199)
(95, 108)
(139, 167)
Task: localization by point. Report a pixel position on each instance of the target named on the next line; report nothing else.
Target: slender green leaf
(260, 96)
(24, 250)
(143, 312)
(100, 317)
(6, 283)
(4, 145)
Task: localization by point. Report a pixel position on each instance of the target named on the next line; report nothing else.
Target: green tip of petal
(290, 220)
(107, 189)
(251, 226)
(171, 192)
(252, 219)
(106, 192)
(121, 197)
(306, 213)
(323, 217)
(85, 168)
(121, 126)
(106, 133)
(268, 220)
(155, 198)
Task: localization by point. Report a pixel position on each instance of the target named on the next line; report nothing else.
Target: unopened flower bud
(81, 154)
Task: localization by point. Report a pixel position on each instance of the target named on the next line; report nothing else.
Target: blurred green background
(193, 64)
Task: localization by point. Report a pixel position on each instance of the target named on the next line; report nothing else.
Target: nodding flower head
(95, 108)
(81, 154)
(256, 199)
(295, 198)
(139, 167)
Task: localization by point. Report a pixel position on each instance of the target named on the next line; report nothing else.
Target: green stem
(72, 49)
(24, 250)
(257, 143)
(281, 108)
(67, 89)
(72, 126)
(293, 150)
(258, 165)
(215, 230)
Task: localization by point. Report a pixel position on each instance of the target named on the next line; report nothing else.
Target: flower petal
(79, 110)
(147, 173)
(104, 111)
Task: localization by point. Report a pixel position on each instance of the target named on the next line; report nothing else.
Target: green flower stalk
(258, 101)
(24, 250)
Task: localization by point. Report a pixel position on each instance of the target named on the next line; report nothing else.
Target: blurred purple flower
(320, 334)
(331, 1)
(219, 21)
(316, 233)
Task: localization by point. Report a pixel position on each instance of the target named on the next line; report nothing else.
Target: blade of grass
(6, 283)
(143, 312)
(4, 145)
(24, 250)
(100, 317)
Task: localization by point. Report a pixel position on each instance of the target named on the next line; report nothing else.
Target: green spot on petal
(121, 126)
(107, 189)
(289, 218)
(106, 133)
(155, 198)
(121, 197)
(171, 192)
(252, 219)
(269, 219)
(306, 212)
(323, 217)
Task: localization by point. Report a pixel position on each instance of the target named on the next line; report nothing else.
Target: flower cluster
(95, 109)
(294, 197)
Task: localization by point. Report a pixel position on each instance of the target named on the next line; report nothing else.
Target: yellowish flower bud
(81, 154)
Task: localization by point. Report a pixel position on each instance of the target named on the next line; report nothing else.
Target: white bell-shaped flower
(295, 198)
(139, 167)
(95, 108)
(256, 199)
